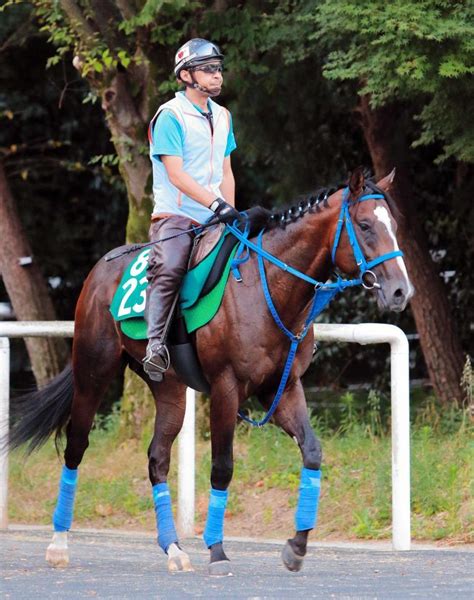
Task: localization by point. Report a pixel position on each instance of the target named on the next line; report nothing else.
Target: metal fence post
(376, 333)
(4, 423)
(400, 396)
(186, 469)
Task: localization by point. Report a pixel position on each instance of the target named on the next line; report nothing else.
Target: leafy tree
(20, 271)
(44, 160)
(123, 49)
(411, 63)
(299, 119)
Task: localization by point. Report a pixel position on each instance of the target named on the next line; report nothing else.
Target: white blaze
(382, 215)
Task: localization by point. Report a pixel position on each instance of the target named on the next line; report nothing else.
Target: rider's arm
(184, 182)
(228, 182)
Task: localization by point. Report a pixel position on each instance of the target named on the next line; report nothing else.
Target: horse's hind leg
(292, 416)
(170, 399)
(94, 367)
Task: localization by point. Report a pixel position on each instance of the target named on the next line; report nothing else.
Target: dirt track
(129, 565)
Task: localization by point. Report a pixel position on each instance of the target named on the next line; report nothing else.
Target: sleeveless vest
(203, 158)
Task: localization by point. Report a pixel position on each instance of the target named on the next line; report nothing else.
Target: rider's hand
(224, 212)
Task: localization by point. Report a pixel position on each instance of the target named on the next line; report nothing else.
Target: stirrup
(157, 362)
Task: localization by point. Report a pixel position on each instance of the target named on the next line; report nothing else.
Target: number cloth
(128, 304)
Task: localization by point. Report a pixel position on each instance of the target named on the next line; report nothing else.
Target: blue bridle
(323, 292)
(345, 219)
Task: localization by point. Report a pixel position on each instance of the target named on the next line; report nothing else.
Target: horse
(242, 353)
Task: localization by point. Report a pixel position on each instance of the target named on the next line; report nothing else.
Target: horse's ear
(357, 182)
(386, 183)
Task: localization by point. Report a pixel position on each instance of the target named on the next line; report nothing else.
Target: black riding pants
(167, 265)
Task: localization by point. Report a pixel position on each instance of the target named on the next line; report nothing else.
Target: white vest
(203, 158)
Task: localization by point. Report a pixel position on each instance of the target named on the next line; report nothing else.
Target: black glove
(224, 212)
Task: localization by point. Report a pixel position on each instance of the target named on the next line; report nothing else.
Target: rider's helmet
(196, 52)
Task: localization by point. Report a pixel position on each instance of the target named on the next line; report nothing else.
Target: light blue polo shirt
(168, 135)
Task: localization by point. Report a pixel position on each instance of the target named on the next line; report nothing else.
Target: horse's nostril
(398, 293)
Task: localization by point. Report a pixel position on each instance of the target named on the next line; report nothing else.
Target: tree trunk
(27, 289)
(127, 119)
(439, 340)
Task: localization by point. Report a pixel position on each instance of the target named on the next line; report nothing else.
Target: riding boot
(167, 265)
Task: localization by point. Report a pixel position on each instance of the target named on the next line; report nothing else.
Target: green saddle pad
(128, 304)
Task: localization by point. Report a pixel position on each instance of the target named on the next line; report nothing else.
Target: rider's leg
(167, 266)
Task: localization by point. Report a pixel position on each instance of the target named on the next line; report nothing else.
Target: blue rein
(323, 291)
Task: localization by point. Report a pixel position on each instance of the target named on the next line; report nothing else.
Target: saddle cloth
(201, 292)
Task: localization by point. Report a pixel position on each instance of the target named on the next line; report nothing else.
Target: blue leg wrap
(62, 516)
(164, 516)
(214, 531)
(307, 510)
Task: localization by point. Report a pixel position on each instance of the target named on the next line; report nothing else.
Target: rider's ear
(187, 77)
(386, 183)
(357, 181)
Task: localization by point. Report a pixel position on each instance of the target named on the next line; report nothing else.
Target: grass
(355, 500)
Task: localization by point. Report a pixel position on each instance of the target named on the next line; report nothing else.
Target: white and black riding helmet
(194, 53)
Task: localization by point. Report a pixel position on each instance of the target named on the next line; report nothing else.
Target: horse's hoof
(178, 561)
(292, 561)
(57, 557)
(220, 568)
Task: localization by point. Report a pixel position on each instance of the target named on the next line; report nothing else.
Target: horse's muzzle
(394, 296)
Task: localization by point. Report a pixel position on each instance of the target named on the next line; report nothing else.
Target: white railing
(366, 333)
(378, 333)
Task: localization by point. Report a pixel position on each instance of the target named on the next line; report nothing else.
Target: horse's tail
(38, 414)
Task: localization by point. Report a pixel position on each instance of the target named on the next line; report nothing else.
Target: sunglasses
(213, 68)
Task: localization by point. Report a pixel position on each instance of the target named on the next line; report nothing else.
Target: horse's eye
(364, 226)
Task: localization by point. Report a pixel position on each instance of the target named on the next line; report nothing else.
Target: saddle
(199, 299)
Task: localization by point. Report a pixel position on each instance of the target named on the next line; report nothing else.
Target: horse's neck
(306, 246)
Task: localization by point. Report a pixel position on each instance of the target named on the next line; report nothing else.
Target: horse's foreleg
(170, 408)
(223, 419)
(292, 416)
(91, 379)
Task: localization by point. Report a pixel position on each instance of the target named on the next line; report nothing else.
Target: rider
(191, 139)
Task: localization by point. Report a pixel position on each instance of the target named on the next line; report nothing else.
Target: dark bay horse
(242, 353)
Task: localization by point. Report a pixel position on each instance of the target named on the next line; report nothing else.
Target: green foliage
(73, 211)
(403, 51)
(296, 129)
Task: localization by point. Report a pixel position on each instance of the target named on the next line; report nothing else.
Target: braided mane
(262, 218)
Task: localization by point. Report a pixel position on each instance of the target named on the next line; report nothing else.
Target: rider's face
(208, 76)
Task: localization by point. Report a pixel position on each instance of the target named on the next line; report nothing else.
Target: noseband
(368, 279)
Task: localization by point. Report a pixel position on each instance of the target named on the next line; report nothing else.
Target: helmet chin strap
(195, 85)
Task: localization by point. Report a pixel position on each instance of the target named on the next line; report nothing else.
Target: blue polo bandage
(164, 516)
(214, 531)
(62, 516)
(307, 510)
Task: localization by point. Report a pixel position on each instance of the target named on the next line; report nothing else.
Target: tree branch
(107, 17)
(220, 6)
(126, 9)
(78, 21)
